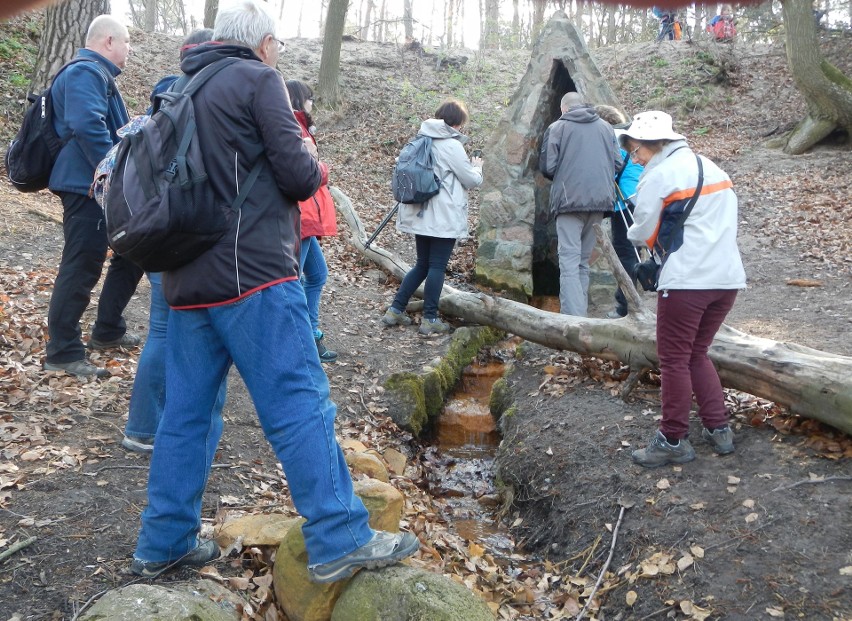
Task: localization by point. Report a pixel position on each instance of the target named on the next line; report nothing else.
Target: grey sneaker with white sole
(382, 550)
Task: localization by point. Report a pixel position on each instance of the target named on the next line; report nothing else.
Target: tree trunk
(449, 19)
(826, 90)
(211, 8)
(328, 87)
(65, 26)
(811, 383)
(516, 22)
(368, 17)
(407, 20)
(539, 7)
(150, 23)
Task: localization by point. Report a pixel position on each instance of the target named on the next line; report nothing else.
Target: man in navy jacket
(89, 110)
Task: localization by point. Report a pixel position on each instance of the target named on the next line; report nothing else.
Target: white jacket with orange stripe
(704, 255)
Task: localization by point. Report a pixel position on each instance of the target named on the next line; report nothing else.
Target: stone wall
(517, 237)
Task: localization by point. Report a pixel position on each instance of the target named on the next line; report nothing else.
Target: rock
(143, 602)
(384, 502)
(396, 461)
(376, 276)
(348, 444)
(401, 592)
(303, 600)
(369, 464)
(262, 529)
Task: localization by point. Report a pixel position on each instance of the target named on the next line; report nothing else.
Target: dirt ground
(763, 533)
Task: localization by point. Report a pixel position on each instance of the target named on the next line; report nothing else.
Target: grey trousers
(577, 239)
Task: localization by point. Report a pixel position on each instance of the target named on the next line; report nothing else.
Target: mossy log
(812, 383)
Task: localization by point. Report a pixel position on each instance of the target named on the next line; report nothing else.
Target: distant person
(149, 386)
(722, 26)
(437, 224)
(88, 112)
(697, 285)
(319, 219)
(241, 303)
(667, 19)
(579, 153)
(626, 178)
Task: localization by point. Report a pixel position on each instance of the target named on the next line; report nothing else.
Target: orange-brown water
(466, 420)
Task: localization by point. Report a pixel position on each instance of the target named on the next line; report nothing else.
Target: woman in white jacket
(697, 285)
(438, 223)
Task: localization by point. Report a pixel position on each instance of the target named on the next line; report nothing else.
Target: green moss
(836, 76)
(407, 389)
(501, 398)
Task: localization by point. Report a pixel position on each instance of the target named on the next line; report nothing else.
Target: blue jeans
(433, 254)
(83, 257)
(149, 386)
(268, 337)
(314, 274)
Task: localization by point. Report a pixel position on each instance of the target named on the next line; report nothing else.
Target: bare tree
(368, 17)
(328, 87)
(65, 26)
(211, 8)
(490, 25)
(149, 23)
(407, 20)
(827, 91)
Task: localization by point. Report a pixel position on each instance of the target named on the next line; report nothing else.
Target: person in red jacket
(318, 219)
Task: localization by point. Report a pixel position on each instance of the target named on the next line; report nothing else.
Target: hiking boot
(325, 354)
(394, 317)
(722, 439)
(137, 445)
(80, 368)
(659, 452)
(205, 552)
(127, 341)
(428, 327)
(616, 313)
(382, 550)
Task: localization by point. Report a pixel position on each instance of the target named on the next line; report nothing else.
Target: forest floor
(760, 534)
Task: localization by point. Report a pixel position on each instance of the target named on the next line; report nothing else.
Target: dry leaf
(549, 451)
(697, 506)
(685, 562)
(631, 597)
(846, 571)
(732, 480)
(751, 517)
(663, 484)
(775, 612)
(748, 503)
(697, 551)
(804, 282)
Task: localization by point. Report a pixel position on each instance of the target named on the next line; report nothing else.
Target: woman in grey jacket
(437, 224)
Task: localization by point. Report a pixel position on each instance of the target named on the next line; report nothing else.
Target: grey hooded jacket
(445, 214)
(580, 154)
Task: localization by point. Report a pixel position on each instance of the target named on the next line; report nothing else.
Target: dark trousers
(433, 254)
(687, 321)
(83, 257)
(626, 254)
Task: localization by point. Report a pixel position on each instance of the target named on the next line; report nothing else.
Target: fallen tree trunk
(812, 383)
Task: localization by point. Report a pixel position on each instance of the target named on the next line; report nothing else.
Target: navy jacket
(244, 116)
(88, 108)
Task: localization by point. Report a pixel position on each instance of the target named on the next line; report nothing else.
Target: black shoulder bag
(647, 273)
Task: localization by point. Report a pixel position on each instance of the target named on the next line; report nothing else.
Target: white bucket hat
(651, 125)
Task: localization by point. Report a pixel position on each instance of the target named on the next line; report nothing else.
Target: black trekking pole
(382, 225)
(623, 201)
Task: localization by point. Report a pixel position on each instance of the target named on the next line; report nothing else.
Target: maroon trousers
(687, 321)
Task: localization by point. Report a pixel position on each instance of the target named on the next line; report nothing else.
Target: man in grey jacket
(579, 153)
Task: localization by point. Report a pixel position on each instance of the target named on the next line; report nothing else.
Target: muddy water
(463, 458)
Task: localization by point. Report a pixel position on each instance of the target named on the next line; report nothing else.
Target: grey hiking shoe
(382, 550)
(205, 552)
(393, 317)
(325, 354)
(659, 452)
(137, 445)
(128, 341)
(721, 439)
(428, 327)
(80, 368)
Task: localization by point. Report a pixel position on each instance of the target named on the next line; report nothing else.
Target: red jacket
(318, 214)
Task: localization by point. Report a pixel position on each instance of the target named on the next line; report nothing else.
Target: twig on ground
(91, 600)
(14, 548)
(606, 564)
(102, 468)
(738, 537)
(658, 612)
(812, 481)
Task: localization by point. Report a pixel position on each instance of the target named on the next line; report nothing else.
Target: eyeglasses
(281, 47)
(633, 152)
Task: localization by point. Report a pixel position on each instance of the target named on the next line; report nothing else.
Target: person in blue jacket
(88, 111)
(626, 178)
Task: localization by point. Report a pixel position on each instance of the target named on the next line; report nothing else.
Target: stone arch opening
(545, 258)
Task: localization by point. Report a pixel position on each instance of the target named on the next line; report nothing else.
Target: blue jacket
(89, 108)
(628, 181)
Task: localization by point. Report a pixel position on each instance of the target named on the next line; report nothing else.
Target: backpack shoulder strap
(110, 81)
(190, 85)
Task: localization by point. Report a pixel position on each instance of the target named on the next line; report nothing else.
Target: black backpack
(414, 179)
(160, 209)
(33, 152)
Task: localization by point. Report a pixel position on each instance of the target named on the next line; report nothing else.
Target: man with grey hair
(580, 154)
(88, 111)
(241, 302)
